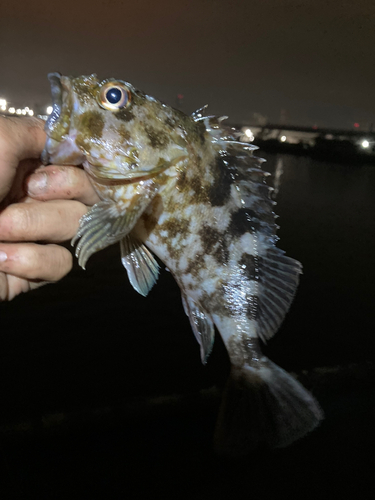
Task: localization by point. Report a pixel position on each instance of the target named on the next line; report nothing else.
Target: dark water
(91, 352)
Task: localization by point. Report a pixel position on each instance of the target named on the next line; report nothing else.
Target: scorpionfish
(185, 189)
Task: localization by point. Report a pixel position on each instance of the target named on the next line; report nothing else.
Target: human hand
(20, 139)
(45, 207)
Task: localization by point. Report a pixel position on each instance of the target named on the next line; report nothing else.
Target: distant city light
(49, 110)
(19, 111)
(283, 138)
(249, 134)
(365, 144)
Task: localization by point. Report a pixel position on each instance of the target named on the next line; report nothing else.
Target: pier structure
(320, 142)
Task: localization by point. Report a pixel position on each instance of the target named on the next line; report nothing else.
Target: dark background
(295, 61)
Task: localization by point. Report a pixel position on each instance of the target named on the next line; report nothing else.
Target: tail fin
(263, 405)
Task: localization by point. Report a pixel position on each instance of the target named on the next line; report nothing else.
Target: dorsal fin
(199, 113)
(277, 275)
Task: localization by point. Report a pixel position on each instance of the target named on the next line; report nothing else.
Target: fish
(185, 189)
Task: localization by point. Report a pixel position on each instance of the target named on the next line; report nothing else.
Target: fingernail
(3, 256)
(37, 183)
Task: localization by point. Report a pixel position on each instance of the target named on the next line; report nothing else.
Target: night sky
(313, 59)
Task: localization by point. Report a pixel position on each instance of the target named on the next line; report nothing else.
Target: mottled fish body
(185, 189)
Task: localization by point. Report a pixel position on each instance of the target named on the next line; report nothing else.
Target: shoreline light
(365, 144)
(283, 138)
(249, 134)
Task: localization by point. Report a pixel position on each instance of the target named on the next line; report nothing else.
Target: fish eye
(114, 95)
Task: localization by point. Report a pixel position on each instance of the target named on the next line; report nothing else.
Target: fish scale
(185, 189)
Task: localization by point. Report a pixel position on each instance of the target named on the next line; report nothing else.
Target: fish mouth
(60, 147)
(104, 173)
(111, 177)
(56, 92)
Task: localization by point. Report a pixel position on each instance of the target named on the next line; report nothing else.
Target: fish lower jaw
(64, 152)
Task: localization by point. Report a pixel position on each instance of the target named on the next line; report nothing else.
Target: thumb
(20, 138)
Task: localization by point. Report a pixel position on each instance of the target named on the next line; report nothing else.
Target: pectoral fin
(202, 326)
(107, 222)
(142, 268)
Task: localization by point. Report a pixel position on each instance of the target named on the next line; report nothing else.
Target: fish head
(115, 131)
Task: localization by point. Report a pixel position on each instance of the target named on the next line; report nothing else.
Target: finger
(11, 286)
(17, 191)
(65, 182)
(20, 138)
(52, 221)
(35, 262)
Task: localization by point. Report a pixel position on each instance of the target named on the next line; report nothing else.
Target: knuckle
(15, 221)
(63, 180)
(61, 261)
(28, 257)
(6, 225)
(75, 182)
(50, 262)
